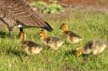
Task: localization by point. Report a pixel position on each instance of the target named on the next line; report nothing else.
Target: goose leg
(11, 32)
(9, 28)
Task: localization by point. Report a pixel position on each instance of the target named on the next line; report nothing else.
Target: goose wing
(23, 13)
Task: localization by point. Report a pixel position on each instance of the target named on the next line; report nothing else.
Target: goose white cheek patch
(19, 26)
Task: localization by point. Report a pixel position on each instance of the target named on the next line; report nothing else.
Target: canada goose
(70, 36)
(52, 42)
(18, 12)
(29, 47)
(92, 47)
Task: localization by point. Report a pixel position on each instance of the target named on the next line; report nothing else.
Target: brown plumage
(18, 12)
(28, 46)
(92, 47)
(52, 42)
(70, 36)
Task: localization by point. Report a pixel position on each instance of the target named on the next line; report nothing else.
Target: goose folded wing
(24, 14)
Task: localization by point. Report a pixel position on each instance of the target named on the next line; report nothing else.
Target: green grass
(90, 25)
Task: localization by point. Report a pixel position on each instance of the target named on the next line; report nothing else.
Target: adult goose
(19, 13)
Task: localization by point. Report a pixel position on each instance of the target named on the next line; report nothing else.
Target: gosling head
(79, 51)
(64, 27)
(43, 34)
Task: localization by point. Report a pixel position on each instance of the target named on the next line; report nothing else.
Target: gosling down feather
(70, 36)
(94, 47)
(52, 42)
(29, 47)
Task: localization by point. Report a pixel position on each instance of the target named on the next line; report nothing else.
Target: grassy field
(90, 25)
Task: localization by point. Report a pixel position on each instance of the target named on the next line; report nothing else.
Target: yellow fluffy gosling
(52, 42)
(70, 36)
(92, 47)
(29, 47)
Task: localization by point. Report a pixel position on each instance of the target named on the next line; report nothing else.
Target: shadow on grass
(3, 34)
(67, 67)
(70, 52)
(15, 53)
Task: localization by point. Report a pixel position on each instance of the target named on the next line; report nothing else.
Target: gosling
(71, 37)
(29, 47)
(94, 47)
(52, 42)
